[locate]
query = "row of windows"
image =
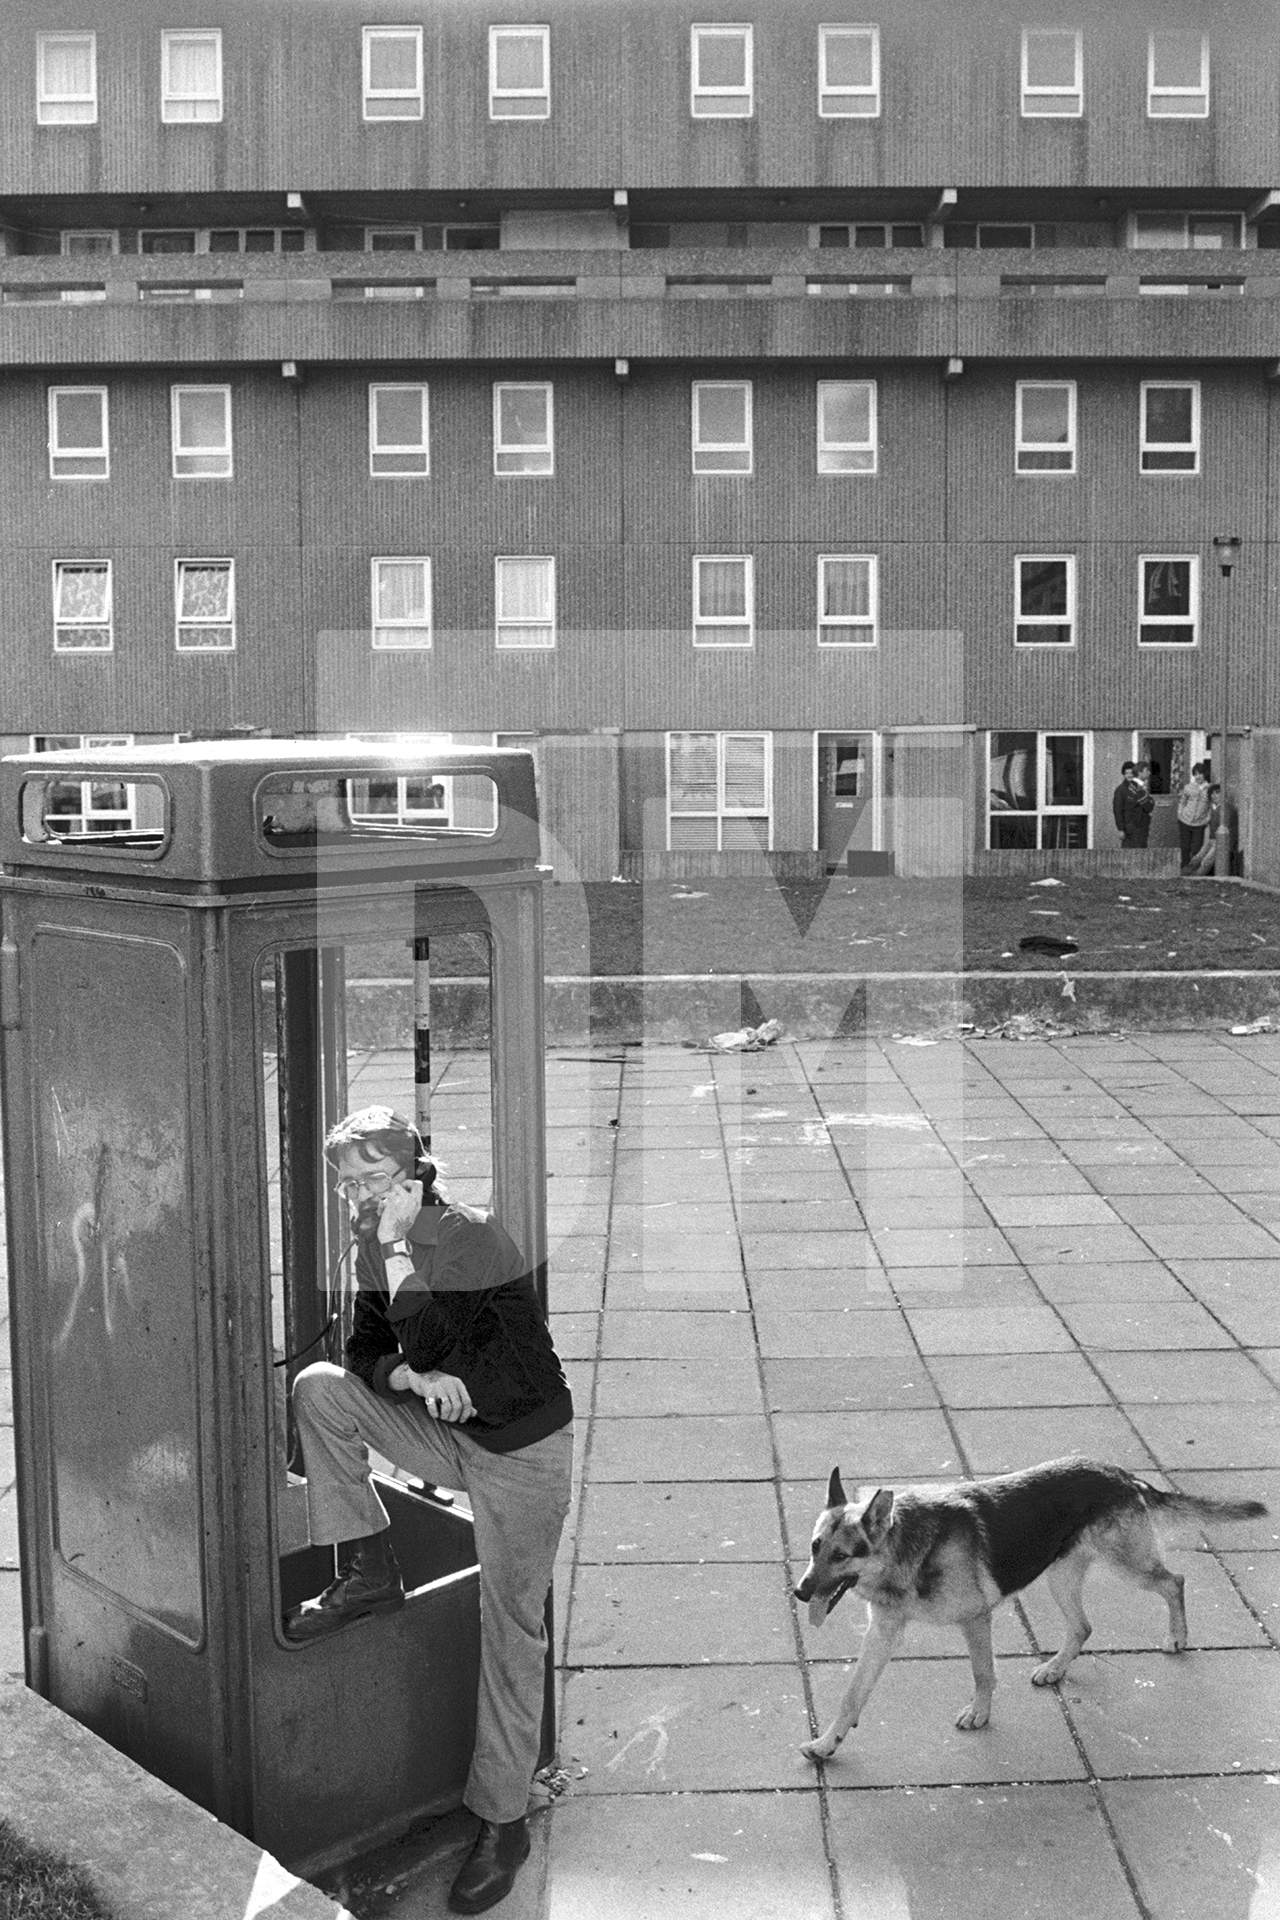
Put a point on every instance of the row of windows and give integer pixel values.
(722, 75)
(723, 595)
(1168, 229)
(722, 432)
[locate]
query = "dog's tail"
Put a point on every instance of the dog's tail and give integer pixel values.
(1199, 1506)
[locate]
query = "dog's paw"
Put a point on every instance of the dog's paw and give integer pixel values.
(822, 1748)
(1048, 1675)
(973, 1716)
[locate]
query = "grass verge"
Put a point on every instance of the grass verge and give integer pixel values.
(34, 1885)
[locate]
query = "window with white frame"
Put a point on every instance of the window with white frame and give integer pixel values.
(82, 620)
(1038, 789)
(403, 799)
(1168, 597)
(523, 427)
(402, 601)
(391, 62)
(201, 420)
(846, 426)
(720, 73)
(1052, 74)
(719, 792)
(524, 599)
(722, 426)
(205, 606)
(1045, 610)
(78, 444)
(401, 596)
(723, 600)
(519, 73)
(75, 807)
(1177, 75)
(1172, 228)
(1046, 426)
(191, 75)
(847, 594)
(90, 240)
(66, 79)
(399, 438)
(848, 72)
(1170, 430)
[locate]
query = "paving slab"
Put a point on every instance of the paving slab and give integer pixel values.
(907, 1735)
(1213, 1434)
(1198, 1712)
(681, 1730)
(1129, 1324)
(894, 1444)
(1098, 1282)
(716, 1333)
(1002, 1439)
(1027, 1329)
(628, 1387)
(1150, 1378)
(1039, 1380)
(846, 1333)
(1001, 1852)
(846, 1385)
(679, 1521)
(736, 1856)
(679, 1615)
(680, 1447)
(1200, 1849)
(1127, 1618)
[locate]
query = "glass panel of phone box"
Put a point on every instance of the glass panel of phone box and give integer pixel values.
(338, 1030)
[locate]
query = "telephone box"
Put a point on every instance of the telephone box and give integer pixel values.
(209, 952)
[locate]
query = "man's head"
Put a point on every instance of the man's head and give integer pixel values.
(1200, 771)
(1129, 769)
(373, 1151)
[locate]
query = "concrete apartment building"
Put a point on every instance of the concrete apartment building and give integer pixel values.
(809, 434)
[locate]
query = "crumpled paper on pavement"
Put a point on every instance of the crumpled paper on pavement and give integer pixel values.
(741, 1040)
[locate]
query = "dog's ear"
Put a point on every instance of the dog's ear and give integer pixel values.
(877, 1515)
(835, 1492)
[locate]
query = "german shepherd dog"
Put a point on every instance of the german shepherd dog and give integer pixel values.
(950, 1556)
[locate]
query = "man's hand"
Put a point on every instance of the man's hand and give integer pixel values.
(445, 1395)
(399, 1211)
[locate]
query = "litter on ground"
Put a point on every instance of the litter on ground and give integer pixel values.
(741, 1040)
(1262, 1025)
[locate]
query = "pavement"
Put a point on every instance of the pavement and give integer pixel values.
(918, 1260)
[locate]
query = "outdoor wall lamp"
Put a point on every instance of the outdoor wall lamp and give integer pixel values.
(1227, 547)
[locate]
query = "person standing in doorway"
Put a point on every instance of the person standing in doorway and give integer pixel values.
(452, 1374)
(1132, 806)
(1193, 813)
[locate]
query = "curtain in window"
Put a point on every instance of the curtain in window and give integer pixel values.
(83, 594)
(202, 421)
(1167, 587)
(722, 60)
(1176, 57)
(193, 68)
(524, 591)
(691, 767)
(722, 589)
(1044, 588)
(849, 58)
(205, 592)
(518, 62)
(1169, 415)
(744, 772)
(80, 422)
(722, 415)
(402, 590)
(398, 416)
(846, 412)
(1013, 771)
(846, 590)
(393, 63)
(523, 416)
(66, 69)
(1051, 59)
(1064, 770)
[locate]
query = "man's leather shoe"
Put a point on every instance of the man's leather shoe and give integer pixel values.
(500, 1851)
(363, 1589)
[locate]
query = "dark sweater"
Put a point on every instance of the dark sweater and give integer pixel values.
(470, 1309)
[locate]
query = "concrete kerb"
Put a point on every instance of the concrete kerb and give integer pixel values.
(149, 1852)
(821, 1006)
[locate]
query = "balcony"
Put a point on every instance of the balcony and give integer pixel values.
(646, 305)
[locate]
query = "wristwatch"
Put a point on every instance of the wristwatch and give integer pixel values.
(392, 1247)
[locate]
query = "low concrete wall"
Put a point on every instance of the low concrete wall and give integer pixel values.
(817, 1006)
(150, 1853)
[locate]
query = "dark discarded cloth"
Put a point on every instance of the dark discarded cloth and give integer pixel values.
(1046, 943)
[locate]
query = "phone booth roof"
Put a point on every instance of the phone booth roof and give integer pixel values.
(270, 813)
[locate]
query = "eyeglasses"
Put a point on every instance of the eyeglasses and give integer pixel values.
(376, 1185)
